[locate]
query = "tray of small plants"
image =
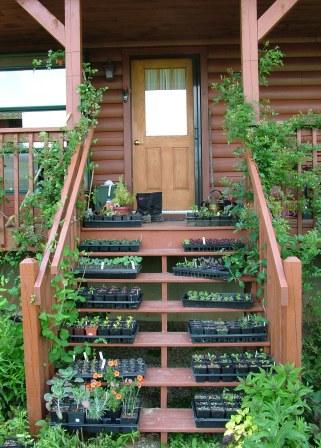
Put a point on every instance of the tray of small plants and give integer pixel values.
(213, 410)
(128, 368)
(110, 245)
(204, 216)
(94, 328)
(111, 297)
(113, 267)
(210, 244)
(229, 366)
(108, 403)
(205, 299)
(96, 220)
(204, 267)
(251, 328)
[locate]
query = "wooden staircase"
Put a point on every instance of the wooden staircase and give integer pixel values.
(163, 241)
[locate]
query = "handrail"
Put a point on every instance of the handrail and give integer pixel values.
(283, 291)
(28, 130)
(66, 194)
(67, 228)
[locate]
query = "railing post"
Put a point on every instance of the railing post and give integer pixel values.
(292, 313)
(34, 350)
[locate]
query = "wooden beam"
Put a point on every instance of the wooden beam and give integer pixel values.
(73, 57)
(46, 19)
(249, 52)
(273, 15)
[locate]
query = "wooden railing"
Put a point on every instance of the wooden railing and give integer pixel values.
(15, 142)
(36, 290)
(283, 290)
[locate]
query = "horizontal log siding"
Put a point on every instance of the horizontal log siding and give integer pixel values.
(294, 88)
(108, 151)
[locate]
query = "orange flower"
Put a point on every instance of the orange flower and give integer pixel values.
(88, 386)
(97, 375)
(115, 363)
(140, 378)
(116, 373)
(119, 396)
(98, 383)
(114, 392)
(110, 363)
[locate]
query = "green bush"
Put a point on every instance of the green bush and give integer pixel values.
(272, 412)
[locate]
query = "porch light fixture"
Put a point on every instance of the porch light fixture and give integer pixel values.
(109, 70)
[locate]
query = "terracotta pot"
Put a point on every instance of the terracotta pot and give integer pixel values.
(125, 210)
(91, 331)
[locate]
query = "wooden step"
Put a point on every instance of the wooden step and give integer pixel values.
(161, 277)
(171, 420)
(172, 339)
(178, 377)
(169, 252)
(171, 306)
(161, 235)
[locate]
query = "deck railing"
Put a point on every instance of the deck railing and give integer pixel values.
(18, 172)
(283, 290)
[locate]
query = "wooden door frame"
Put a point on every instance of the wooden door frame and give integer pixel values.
(202, 145)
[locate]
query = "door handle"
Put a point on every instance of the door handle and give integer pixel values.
(138, 142)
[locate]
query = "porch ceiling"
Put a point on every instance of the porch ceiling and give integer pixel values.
(160, 21)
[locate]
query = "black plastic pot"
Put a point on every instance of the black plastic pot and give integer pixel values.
(113, 221)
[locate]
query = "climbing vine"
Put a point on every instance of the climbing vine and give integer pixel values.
(274, 148)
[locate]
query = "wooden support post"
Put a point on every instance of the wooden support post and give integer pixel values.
(73, 30)
(292, 313)
(273, 15)
(249, 51)
(35, 362)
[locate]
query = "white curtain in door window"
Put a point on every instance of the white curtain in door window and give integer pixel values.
(165, 102)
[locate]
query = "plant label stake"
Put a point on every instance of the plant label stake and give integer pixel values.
(85, 357)
(133, 265)
(103, 364)
(204, 241)
(101, 356)
(102, 265)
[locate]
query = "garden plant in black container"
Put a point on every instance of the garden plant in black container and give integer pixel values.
(110, 297)
(110, 245)
(229, 366)
(204, 267)
(113, 267)
(210, 244)
(206, 299)
(251, 328)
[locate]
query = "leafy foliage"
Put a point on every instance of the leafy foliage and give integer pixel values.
(12, 392)
(272, 411)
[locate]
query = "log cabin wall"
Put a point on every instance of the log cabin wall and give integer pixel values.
(293, 88)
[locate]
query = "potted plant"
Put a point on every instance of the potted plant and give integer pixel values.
(80, 397)
(123, 200)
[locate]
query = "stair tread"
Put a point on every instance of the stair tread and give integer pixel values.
(170, 420)
(161, 252)
(178, 377)
(171, 306)
(166, 226)
(161, 277)
(173, 339)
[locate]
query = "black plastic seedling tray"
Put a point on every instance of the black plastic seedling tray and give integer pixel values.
(238, 304)
(95, 272)
(193, 247)
(208, 422)
(247, 336)
(201, 273)
(116, 339)
(113, 221)
(118, 426)
(214, 221)
(106, 246)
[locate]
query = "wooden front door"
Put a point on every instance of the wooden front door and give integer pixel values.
(163, 130)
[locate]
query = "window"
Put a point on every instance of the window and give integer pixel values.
(165, 101)
(39, 95)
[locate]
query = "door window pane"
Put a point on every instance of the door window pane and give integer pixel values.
(165, 101)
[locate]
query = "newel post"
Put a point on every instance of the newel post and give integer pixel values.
(33, 348)
(292, 313)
